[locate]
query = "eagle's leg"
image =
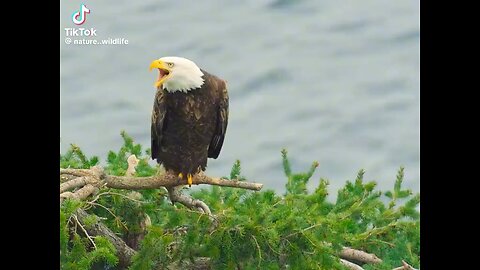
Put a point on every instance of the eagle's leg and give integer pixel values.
(180, 177)
(189, 179)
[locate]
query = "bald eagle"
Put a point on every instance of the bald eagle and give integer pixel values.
(189, 117)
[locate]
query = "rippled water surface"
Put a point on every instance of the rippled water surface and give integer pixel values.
(332, 81)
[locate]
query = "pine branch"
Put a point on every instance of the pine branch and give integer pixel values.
(198, 263)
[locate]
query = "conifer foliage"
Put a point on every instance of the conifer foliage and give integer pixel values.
(299, 229)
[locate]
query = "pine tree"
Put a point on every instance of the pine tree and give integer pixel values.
(300, 229)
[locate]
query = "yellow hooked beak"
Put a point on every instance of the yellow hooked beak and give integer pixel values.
(163, 71)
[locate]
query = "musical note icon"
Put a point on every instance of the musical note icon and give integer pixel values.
(79, 17)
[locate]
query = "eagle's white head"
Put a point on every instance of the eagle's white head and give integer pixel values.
(177, 74)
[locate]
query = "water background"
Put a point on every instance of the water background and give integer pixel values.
(332, 81)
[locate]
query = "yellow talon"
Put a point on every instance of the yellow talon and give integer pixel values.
(180, 175)
(189, 179)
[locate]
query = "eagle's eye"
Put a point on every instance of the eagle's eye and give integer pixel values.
(170, 65)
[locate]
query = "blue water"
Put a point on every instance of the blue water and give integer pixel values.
(332, 81)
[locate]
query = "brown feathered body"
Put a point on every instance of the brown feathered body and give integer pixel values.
(189, 127)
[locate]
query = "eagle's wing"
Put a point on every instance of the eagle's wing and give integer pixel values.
(158, 124)
(222, 121)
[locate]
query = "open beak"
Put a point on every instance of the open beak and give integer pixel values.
(163, 71)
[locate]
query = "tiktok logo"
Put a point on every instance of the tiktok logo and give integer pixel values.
(80, 16)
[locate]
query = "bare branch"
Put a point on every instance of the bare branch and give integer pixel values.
(194, 204)
(67, 177)
(132, 161)
(177, 196)
(65, 195)
(84, 231)
(85, 191)
(259, 251)
(111, 213)
(350, 265)
(74, 183)
(76, 172)
(95, 176)
(405, 266)
(131, 197)
(170, 180)
(358, 255)
(80, 194)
